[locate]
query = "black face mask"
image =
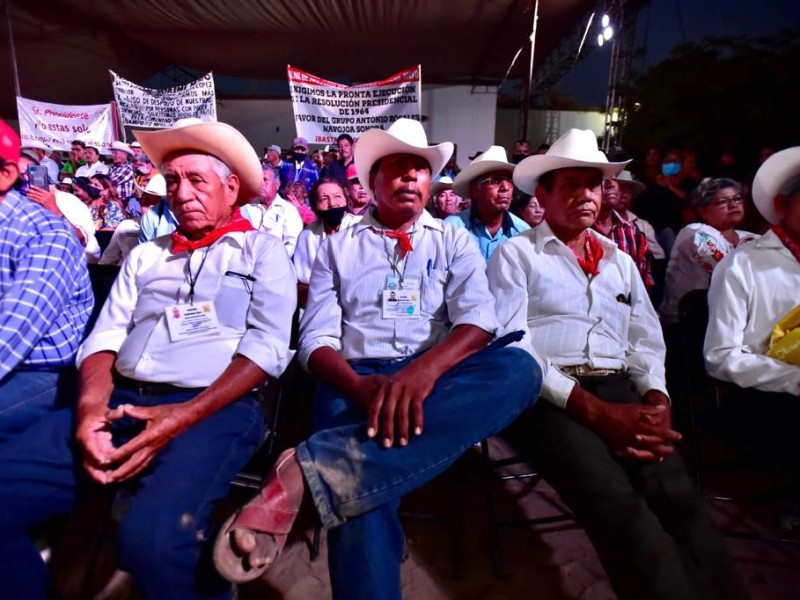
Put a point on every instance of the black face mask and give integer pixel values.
(516, 158)
(298, 156)
(333, 216)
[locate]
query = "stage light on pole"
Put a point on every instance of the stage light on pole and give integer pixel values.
(600, 39)
(605, 21)
(608, 33)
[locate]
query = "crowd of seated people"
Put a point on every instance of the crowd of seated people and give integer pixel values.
(440, 305)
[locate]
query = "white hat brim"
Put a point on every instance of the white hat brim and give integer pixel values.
(218, 139)
(377, 143)
(770, 177)
(124, 149)
(476, 169)
(528, 172)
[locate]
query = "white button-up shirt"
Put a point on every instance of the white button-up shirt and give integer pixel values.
(606, 322)
(697, 250)
(344, 309)
(751, 290)
(308, 245)
(254, 316)
(281, 219)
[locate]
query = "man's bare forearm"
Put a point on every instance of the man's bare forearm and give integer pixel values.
(96, 382)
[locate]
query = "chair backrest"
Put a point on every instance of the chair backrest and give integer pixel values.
(102, 277)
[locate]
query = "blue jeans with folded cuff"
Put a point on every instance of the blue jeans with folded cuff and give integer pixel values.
(356, 484)
(164, 533)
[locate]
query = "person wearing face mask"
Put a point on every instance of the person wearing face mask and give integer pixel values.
(662, 200)
(272, 213)
(299, 168)
(330, 205)
(487, 181)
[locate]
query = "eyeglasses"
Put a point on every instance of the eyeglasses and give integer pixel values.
(727, 201)
(495, 180)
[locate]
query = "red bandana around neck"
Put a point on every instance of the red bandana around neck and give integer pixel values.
(180, 243)
(793, 246)
(594, 252)
(402, 237)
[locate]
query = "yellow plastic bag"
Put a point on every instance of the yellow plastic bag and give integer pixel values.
(784, 341)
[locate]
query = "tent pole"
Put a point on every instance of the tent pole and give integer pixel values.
(13, 49)
(526, 95)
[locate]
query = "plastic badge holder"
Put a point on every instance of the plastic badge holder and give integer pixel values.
(784, 342)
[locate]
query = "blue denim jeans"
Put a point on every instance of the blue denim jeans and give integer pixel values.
(356, 484)
(27, 396)
(163, 533)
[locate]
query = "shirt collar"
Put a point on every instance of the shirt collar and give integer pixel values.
(544, 235)
(475, 221)
(425, 220)
(770, 240)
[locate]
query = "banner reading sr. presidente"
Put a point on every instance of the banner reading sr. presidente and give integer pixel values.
(148, 107)
(57, 124)
(323, 109)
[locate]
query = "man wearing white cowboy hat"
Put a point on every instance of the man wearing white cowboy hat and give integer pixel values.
(487, 181)
(444, 201)
(630, 188)
(126, 234)
(42, 152)
(603, 438)
(122, 176)
(752, 289)
(194, 324)
(396, 329)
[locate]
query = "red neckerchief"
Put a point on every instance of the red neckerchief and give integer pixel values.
(793, 246)
(401, 236)
(594, 252)
(237, 223)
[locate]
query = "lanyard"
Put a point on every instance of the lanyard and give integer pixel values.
(397, 259)
(193, 278)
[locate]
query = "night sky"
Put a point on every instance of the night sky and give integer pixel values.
(587, 82)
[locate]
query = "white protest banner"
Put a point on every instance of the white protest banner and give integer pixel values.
(57, 124)
(325, 109)
(148, 107)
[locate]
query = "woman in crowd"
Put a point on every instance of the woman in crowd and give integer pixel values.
(699, 247)
(297, 195)
(329, 202)
(444, 201)
(528, 209)
(112, 211)
(90, 196)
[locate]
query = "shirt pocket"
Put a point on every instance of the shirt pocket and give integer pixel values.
(433, 286)
(618, 315)
(233, 301)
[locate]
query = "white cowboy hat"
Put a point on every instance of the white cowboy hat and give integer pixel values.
(157, 186)
(404, 136)
(217, 139)
(576, 148)
(626, 177)
(443, 183)
(770, 177)
(135, 145)
(493, 159)
(122, 147)
(35, 145)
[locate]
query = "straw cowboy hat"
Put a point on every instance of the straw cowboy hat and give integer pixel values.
(493, 159)
(122, 147)
(404, 136)
(626, 177)
(217, 139)
(35, 145)
(770, 178)
(441, 184)
(576, 148)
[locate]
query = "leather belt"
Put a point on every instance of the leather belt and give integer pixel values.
(146, 388)
(587, 371)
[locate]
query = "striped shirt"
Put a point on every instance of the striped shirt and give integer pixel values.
(630, 239)
(45, 293)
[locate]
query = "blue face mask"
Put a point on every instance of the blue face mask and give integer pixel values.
(670, 169)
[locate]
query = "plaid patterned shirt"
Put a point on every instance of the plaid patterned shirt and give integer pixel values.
(45, 293)
(123, 177)
(633, 242)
